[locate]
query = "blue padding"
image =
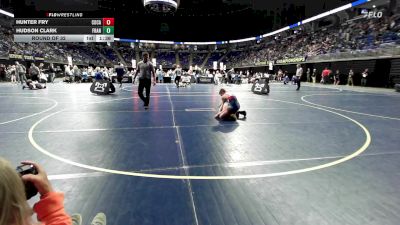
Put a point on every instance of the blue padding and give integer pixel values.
(128, 40)
(359, 2)
(294, 25)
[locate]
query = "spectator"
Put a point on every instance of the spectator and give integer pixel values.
(2, 72)
(314, 76)
(34, 72)
(350, 78)
(364, 78)
(14, 208)
(13, 74)
(52, 73)
(21, 70)
(337, 78)
(299, 74)
(325, 76)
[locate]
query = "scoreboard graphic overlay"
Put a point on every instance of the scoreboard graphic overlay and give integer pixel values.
(64, 27)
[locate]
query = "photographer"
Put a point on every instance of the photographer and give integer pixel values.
(14, 208)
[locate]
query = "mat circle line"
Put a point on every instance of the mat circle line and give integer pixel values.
(191, 177)
(32, 115)
(303, 98)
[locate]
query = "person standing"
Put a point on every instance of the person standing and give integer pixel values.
(314, 76)
(308, 75)
(34, 72)
(337, 78)
(178, 74)
(2, 72)
(145, 70)
(13, 74)
(299, 73)
(160, 75)
(350, 78)
(364, 78)
(325, 75)
(52, 73)
(120, 74)
(21, 71)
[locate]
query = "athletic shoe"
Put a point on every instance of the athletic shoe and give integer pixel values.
(76, 219)
(237, 115)
(146, 107)
(244, 114)
(99, 219)
(23, 87)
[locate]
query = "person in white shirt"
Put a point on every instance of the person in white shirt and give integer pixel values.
(299, 73)
(364, 78)
(217, 77)
(178, 74)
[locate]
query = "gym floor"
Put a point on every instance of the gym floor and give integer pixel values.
(321, 155)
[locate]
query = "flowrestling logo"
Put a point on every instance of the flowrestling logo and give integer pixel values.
(372, 14)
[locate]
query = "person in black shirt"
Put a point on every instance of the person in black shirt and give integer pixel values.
(120, 73)
(145, 69)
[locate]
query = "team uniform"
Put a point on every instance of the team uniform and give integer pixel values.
(232, 106)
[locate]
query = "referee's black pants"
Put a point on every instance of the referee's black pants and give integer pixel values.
(144, 84)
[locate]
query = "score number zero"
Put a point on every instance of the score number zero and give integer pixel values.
(105, 30)
(108, 26)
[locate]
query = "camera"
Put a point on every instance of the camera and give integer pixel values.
(30, 189)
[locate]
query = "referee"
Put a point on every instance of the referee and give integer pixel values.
(145, 70)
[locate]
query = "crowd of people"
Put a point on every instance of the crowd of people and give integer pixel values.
(352, 36)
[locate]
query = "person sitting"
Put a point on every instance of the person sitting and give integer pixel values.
(14, 208)
(185, 80)
(229, 109)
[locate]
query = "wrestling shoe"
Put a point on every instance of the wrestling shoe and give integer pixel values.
(99, 219)
(76, 219)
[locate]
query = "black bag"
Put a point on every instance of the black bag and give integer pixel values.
(102, 87)
(261, 87)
